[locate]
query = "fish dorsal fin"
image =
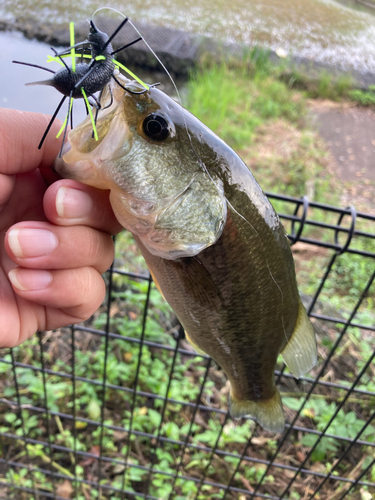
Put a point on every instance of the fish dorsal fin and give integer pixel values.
(300, 353)
(269, 414)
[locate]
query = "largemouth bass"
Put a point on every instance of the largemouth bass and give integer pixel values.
(214, 244)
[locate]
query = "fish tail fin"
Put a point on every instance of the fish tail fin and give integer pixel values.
(300, 353)
(269, 414)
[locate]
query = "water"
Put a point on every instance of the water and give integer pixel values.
(13, 92)
(360, 5)
(322, 30)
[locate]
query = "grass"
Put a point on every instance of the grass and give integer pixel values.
(234, 101)
(365, 98)
(323, 85)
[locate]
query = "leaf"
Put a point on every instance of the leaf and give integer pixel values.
(309, 440)
(350, 417)
(143, 411)
(318, 455)
(118, 469)
(10, 417)
(367, 461)
(80, 425)
(260, 441)
(155, 417)
(206, 437)
(93, 409)
(307, 412)
(365, 495)
(127, 357)
(341, 430)
(171, 430)
(94, 450)
(65, 489)
(292, 403)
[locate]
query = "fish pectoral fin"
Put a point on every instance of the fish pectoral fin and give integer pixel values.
(269, 414)
(198, 349)
(300, 353)
(157, 284)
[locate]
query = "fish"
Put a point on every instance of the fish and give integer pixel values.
(214, 245)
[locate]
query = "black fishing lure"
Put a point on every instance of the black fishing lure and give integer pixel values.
(83, 80)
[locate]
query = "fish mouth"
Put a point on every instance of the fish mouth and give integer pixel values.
(67, 147)
(80, 171)
(101, 142)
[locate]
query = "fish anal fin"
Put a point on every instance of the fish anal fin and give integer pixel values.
(269, 414)
(300, 353)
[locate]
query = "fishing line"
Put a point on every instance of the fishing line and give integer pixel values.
(147, 45)
(268, 266)
(282, 301)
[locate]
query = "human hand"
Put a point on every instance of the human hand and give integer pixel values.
(54, 238)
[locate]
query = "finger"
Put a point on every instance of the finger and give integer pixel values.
(20, 134)
(68, 296)
(7, 183)
(68, 203)
(41, 245)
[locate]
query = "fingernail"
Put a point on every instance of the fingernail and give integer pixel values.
(29, 279)
(28, 242)
(72, 203)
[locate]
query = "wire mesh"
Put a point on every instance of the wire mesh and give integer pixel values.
(121, 407)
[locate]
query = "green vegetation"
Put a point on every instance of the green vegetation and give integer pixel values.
(326, 86)
(346, 425)
(366, 98)
(323, 85)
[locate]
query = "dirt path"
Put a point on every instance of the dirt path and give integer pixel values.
(349, 132)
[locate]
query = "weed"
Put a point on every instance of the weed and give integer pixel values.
(323, 85)
(363, 97)
(345, 425)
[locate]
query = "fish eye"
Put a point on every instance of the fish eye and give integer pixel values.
(156, 127)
